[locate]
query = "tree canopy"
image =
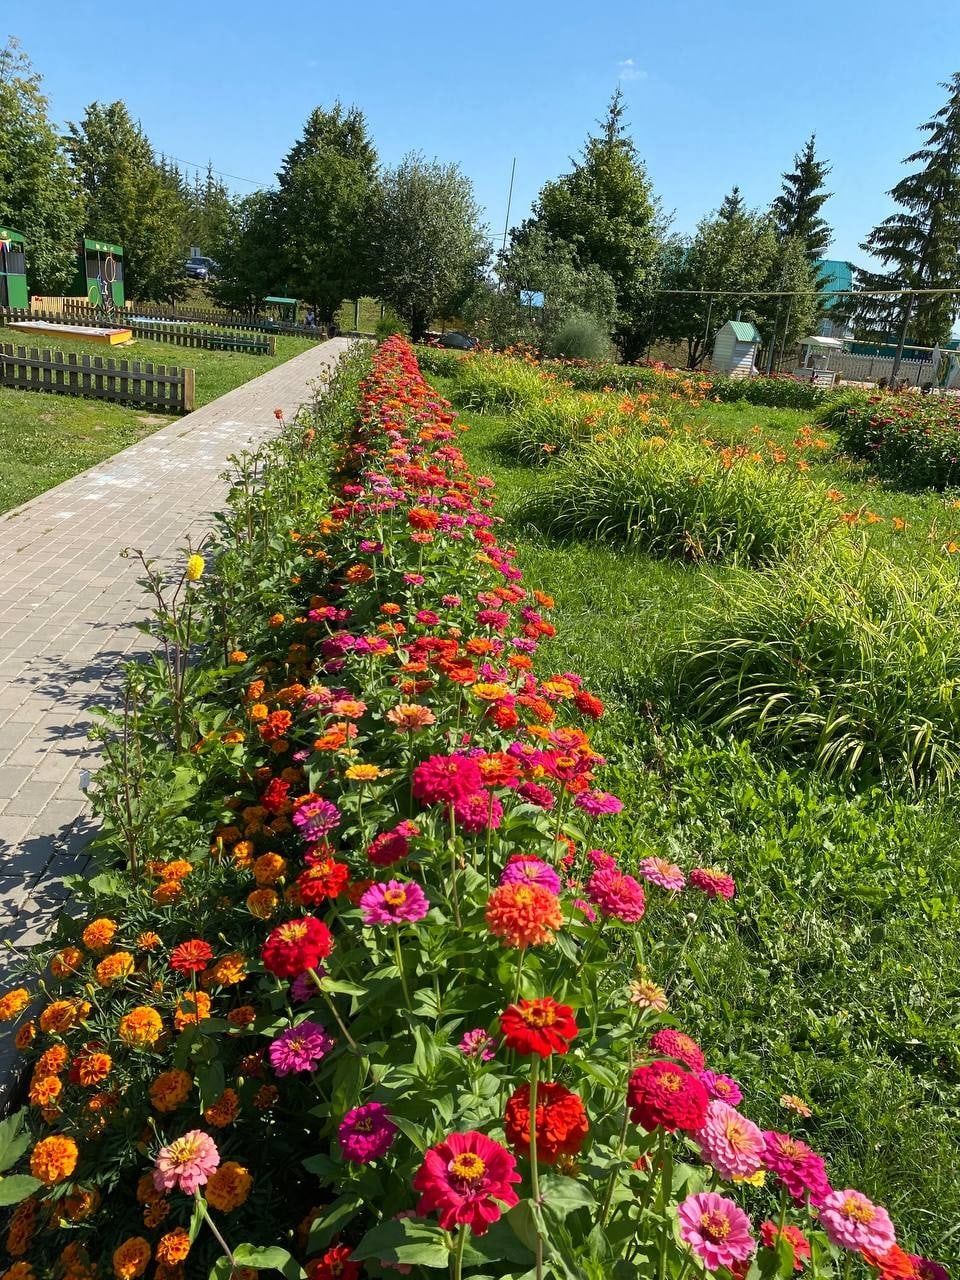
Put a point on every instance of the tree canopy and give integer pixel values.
(796, 211)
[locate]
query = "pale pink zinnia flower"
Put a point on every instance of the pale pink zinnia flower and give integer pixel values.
(186, 1163)
(716, 1229)
(396, 902)
(854, 1222)
(477, 1044)
(730, 1142)
(660, 872)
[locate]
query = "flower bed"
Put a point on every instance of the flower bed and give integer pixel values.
(911, 439)
(382, 1021)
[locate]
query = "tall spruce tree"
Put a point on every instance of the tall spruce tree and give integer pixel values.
(732, 206)
(920, 245)
(796, 211)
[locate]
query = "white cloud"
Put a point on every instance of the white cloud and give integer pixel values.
(627, 69)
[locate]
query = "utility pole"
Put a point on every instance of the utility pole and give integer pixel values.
(903, 337)
(506, 221)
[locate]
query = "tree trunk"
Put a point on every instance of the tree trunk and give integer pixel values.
(418, 325)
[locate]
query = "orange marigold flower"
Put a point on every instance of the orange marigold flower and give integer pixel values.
(170, 1090)
(269, 868)
(224, 1111)
(173, 1247)
(80, 1204)
(167, 892)
(25, 1035)
(179, 869)
(147, 1192)
(141, 1026)
(19, 1271)
(192, 1007)
(52, 1060)
(156, 1213)
(90, 1067)
(148, 941)
(233, 736)
(114, 968)
(242, 1016)
(228, 1187)
(263, 903)
(45, 1090)
(98, 935)
(265, 1097)
(66, 962)
(130, 1258)
(237, 655)
(13, 1003)
(228, 971)
(53, 1159)
(63, 1014)
(523, 915)
(276, 620)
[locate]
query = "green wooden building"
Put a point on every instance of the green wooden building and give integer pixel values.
(13, 269)
(100, 271)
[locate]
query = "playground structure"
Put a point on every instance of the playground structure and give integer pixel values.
(13, 269)
(99, 276)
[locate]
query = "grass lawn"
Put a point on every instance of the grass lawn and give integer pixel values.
(45, 439)
(837, 978)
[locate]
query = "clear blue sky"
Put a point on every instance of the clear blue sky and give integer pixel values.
(718, 93)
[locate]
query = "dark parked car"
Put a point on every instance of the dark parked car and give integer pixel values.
(458, 341)
(200, 268)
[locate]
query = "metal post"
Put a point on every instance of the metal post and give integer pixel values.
(773, 338)
(506, 221)
(783, 340)
(903, 337)
(706, 327)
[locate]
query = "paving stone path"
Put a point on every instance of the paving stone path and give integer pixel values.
(68, 605)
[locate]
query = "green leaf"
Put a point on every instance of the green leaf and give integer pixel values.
(323, 1229)
(268, 1258)
(222, 1269)
(564, 1195)
(211, 1081)
(413, 1131)
(405, 1241)
(196, 1220)
(16, 1188)
(13, 1143)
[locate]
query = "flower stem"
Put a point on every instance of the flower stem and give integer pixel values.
(534, 1168)
(398, 952)
(454, 892)
(608, 1197)
(213, 1227)
(516, 987)
(456, 1258)
(333, 1009)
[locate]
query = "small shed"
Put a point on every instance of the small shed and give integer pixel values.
(13, 269)
(735, 349)
(100, 273)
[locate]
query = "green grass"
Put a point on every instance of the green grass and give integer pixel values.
(46, 439)
(838, 978)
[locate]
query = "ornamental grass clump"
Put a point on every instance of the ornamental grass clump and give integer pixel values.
(676, 498)
(372, 1015)
(851, 664)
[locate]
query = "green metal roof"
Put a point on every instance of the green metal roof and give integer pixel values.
(8, 233)
(744, 330)
(291, 301)
(101, 246)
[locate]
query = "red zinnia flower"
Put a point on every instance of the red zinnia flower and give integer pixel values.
(325, 879)
(665, 1095)
(191, 957)
(463, 1178)
(335, 1264)
(538, 1026)
(296, 946)
(770, 1233)
(561, 1122)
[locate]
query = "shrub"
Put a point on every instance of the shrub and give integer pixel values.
(441, 361)
(389, 323)
(853, 665)
(776, 392)
(580, 337)
(677, 498)
(546, 430)
(910, 439)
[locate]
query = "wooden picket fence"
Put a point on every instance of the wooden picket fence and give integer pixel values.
(163, 387)
(178, 335)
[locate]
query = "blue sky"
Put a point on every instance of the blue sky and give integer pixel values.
(718, 93)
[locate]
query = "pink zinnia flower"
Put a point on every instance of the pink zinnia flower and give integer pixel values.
(526, 869)
(466, 1178)
(713, 881)
(660, 872)
(723, 1087)
(479, 812)
(717, 1230)
(798, 1167)
(392, 846)
(396, 902)
(598, 803)
(315, 818)
(478, 1044)
(617, 895)
(730, 1142)
(299, 1048)
(303, 986)
(536, 793)
(854, 1222)
(366, 1133)
(670, 1043)
(446, 779)
(186, 1163)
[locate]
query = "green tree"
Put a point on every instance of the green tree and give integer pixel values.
(796, 211)
(920, 245)
(37, 192)
(426, 247)
(245, 249)
(605, 210)
(325, 187)
(130, 197)
(732, 206)
(207, 211)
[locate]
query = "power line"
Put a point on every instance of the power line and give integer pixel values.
(190, 164)
(800, 293)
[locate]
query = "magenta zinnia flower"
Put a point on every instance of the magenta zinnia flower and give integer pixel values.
(536, 793)
(854, 1222)
(798, 1167)
(713, 881)
(598, 803)
(717, 1230)
(396, 902)
(299, 1048)
(315, 818)
(366, 1133)
(723, 1087)
(479, 812)
(616, 894)
(186, 1163)
(478, 1044)
(660, 872)
(466, 1178)
(446, 779)
(730, 1142)
(670, 1043)
(525, 869)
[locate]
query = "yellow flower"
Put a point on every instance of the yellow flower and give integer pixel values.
(363, 772)
(195, 567)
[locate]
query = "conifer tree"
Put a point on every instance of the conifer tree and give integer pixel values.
(796, 211)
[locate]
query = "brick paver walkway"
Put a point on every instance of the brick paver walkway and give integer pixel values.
(68, 603)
